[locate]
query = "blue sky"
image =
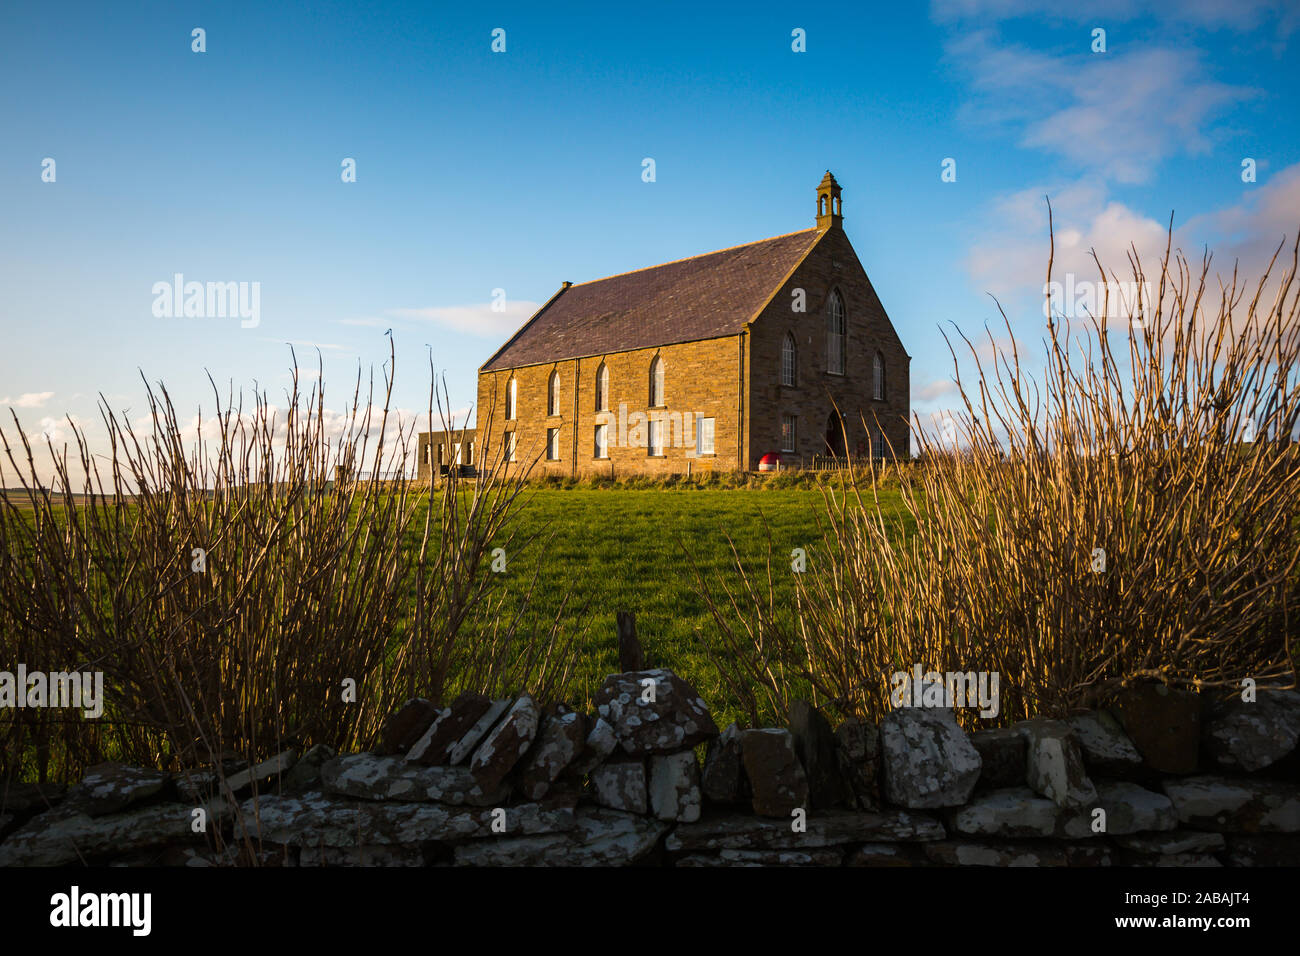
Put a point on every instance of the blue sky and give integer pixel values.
(479, 171)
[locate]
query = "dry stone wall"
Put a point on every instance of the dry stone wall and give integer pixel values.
(1156, 778)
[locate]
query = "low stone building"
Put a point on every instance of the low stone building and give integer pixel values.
(708, 363)
(444, 450)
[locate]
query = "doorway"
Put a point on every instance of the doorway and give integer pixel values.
(835, 435)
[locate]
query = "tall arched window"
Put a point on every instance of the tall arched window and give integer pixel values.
(553, 394)
(878, 378)
(789, 354)
(602, 388)
(835, 334)
(510, 398)
(656, 382)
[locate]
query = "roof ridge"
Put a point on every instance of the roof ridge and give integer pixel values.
(701, 255)
(530, 320)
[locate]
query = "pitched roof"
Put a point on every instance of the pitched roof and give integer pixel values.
(703, 297)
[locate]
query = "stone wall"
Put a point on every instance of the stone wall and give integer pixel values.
(1159, 777)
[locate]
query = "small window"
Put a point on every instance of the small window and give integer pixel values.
(602, 388)
(835, 335)
(510, 447)
(704, 436)
(881, 450)
(442, 456)
(789, 433)
(456, 454)
(510, 399)
(654, 430)
(553, 394)
(469, 453)
(602, 441)
(657, 382)
(878, 378)
(789, 354)
(552, 444)
(424, 453)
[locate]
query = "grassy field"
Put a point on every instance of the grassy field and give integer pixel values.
(593, 552)
(626, 549)
(630, 548)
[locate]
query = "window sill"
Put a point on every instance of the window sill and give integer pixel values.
(656, 456)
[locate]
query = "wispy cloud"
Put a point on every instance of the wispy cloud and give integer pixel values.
(1011, 256)
(27, 400)
(1236, 15)
(935, 390)
(1117, 115)
(481, 320)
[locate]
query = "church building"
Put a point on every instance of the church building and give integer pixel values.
(774, 348)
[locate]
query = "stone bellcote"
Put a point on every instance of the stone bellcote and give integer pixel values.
(830, 212)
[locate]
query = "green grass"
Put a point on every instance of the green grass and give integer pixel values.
(626, 548)
(623, 549)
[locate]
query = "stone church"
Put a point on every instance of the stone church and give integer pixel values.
(776, 348)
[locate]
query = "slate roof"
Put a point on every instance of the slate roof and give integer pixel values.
(703, 297)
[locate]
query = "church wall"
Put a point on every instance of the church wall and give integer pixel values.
(831, 264)
(701, 379)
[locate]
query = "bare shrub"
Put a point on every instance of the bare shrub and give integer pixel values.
(235, 578)
(1172, 458)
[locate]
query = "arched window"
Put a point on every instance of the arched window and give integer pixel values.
(878, 378)
(835, 334)
(510, 398)
(553, 394)
(656, 382)
(602, 388)
(789, 354)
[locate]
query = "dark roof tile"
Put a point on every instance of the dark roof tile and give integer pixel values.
(703, 297)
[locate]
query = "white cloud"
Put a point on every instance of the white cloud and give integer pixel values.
(1251, 230)
(27, 400)
(935, 390)
(1117, 115)
(480, 320)
(1236, 15)
(1010, 257)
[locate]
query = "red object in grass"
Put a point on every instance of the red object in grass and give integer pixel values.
(770, 462)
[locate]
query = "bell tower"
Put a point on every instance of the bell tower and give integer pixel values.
(829, 209)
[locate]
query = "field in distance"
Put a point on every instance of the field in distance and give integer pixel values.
(626, 549)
